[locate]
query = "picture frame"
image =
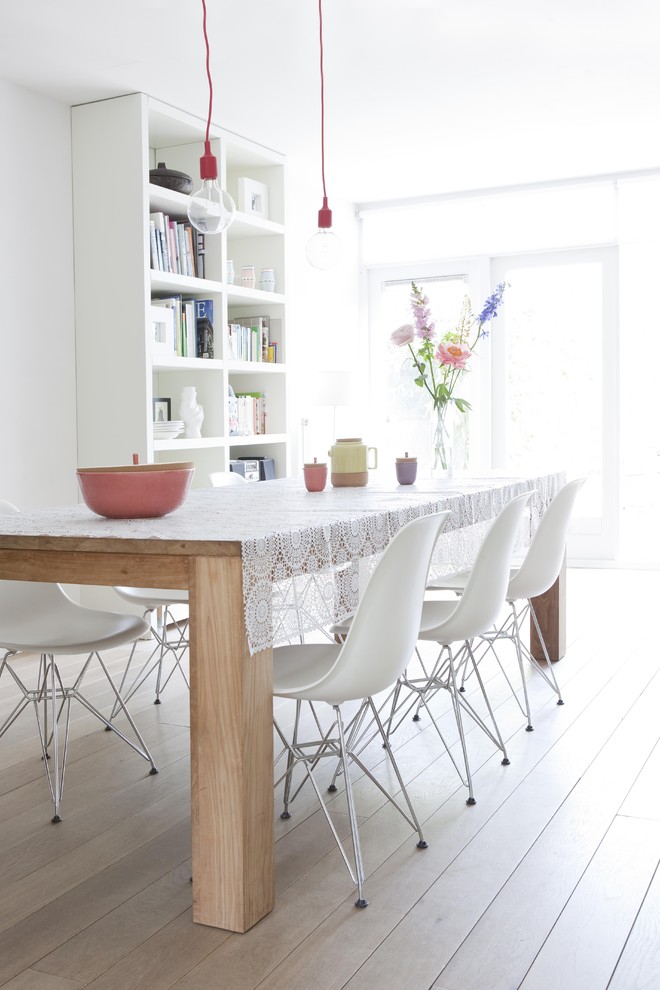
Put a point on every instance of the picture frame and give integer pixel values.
(253, 197)
(162, 331)
(162, 410)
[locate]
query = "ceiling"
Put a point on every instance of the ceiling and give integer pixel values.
(422, 96)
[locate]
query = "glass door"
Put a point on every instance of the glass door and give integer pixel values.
(555, 381)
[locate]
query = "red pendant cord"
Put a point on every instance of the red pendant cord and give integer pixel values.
(325, 214)
(208, 164)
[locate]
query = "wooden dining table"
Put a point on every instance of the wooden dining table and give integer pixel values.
(237, 550)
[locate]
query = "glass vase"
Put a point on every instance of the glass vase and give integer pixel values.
(442, 453)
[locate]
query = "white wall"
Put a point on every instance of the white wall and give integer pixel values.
(37, 358)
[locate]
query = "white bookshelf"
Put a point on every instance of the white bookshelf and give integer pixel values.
(115, 144)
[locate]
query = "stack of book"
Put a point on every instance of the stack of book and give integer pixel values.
(193, 325)
(249, 339)
(176, 246)
(251, 413)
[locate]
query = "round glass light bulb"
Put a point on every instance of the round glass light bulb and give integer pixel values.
(211, 209)
(323, 249)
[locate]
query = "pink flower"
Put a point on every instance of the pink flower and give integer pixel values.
(453, 354)
(404, 335)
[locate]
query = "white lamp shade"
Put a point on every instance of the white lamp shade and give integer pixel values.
(330, 388)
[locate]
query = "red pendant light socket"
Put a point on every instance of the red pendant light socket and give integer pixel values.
(208, 163)
(325, 215)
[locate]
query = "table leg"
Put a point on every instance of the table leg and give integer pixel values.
(550, 610)
(231, 754)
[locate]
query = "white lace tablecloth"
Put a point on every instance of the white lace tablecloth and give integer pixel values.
(306, 555)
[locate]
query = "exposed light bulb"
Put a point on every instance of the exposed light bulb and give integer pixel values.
(211, 209)
(323, 249)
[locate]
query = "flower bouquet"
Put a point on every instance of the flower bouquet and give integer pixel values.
(440, 365)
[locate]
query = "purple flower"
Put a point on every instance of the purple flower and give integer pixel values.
(489, 312)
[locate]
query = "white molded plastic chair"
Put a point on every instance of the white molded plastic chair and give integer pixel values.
(536, 575)
(170, 633)
(378, 647)
(174, 646)
(222, 479)
(41, 619)
(460, 621)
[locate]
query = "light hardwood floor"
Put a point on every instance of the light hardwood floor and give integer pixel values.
(550, 881)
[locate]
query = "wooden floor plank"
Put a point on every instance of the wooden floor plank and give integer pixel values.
(48, 883)
(639, 965)
(30, 979)
(585, 943)
(643, 800)
(94, 950)
(27, 941)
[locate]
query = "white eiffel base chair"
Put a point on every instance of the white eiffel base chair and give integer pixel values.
(41, 619)
(171, 636)
(536, 574)
(459, 622)
(376, 650)
(448, 623)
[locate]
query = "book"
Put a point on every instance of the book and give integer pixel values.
(204, 309)
(257, 334)
(200, 254)
(204, 329)
(161, 233)
(156, 260)
(251, 413)
(175, 303)
(190, 336)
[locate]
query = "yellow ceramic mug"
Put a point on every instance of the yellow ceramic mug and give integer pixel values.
(350, 463)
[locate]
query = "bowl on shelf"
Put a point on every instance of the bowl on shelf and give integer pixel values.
(169, 178)
(135, 491)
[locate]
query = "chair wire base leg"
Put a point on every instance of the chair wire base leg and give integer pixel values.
(357, 852)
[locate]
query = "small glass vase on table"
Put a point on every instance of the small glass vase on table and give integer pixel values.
(442, 453)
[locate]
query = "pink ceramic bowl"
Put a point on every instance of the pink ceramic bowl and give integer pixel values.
(135, 491)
